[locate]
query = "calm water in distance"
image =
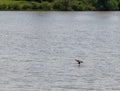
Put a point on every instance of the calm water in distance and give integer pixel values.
(37, 51)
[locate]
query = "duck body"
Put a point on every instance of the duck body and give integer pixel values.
(78, 61)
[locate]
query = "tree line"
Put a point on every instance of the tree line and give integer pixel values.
(61, 5)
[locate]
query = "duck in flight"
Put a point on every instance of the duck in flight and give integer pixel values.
(78, 61)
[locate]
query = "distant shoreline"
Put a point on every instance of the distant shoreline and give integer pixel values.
(59, 5)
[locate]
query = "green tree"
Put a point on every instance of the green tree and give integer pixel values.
(107, 5)
(66, 4)
(119, 4)
(112, 5)
(62, 4)
(101, 5)
(58, 5)
(46, 6)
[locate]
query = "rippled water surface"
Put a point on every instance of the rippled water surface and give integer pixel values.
(37, 51)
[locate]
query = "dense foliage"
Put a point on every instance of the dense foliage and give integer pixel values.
(61, 5)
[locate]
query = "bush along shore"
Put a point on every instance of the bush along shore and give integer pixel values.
(61, 5)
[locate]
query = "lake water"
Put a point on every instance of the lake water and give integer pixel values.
(38, 49)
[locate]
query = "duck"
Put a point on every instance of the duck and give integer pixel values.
(78, 61)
